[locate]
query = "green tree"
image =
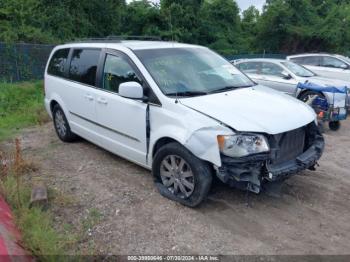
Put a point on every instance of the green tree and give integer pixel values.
(19, 21)
(142, 18)
(220, 26)
(182, 19)
(287, 25)
(249, 23)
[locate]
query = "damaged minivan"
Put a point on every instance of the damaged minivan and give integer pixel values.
(183, 112)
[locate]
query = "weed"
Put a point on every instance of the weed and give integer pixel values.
(38, 233)
(94, 216)
(60, 199)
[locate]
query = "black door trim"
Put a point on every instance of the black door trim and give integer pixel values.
(107, 128)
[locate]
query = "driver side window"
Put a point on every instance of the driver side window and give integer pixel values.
(272, 69)
(328, 61)
(117, 70)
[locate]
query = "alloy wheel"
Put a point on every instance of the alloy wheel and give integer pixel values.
(60, 123)
(177, 176)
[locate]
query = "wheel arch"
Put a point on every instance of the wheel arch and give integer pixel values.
(307, 90)
(52, 104)
(56, 100)
(326, 95)
(162, 142)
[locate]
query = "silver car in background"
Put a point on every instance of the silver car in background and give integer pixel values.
(284, 76)
(327, 65)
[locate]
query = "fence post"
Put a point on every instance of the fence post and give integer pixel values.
(16, 62)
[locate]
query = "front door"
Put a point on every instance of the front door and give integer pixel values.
(271, 76)
(121, 121)
(334, 68)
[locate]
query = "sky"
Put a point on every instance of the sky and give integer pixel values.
(243, 4)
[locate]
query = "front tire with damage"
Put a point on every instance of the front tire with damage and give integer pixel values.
(181, 176)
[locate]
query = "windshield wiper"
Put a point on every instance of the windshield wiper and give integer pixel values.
(228, 88)
(188, 93)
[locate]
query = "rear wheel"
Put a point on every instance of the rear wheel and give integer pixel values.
(181, 176)
(61, 125)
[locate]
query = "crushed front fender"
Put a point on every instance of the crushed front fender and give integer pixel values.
(251, 172)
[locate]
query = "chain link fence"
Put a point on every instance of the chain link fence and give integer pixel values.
(22, 62)
(251, 56)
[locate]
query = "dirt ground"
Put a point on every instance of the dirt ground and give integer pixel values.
(131, 217)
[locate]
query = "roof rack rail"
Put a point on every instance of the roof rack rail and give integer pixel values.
(116, 39)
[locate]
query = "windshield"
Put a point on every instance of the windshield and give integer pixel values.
(298, 70)
(191, 71)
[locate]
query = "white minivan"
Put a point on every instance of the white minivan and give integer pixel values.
(183, 112)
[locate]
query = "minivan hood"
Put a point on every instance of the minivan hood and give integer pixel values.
(255, 109)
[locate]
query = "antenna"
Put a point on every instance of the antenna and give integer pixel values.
(172, 40)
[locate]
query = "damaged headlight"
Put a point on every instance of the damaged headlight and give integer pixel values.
(242, 145)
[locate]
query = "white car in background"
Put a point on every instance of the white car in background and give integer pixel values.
(328, 65)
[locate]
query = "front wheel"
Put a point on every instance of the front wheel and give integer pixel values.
(308, 97)
(181, 176)
(334, 125)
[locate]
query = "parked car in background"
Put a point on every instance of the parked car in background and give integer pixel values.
(284, 76)
(183, 112)
(328, 65)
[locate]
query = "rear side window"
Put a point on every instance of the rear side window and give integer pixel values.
(298, 60)
(310, 60)
(250, 67)
(83, 66)
(58, 62)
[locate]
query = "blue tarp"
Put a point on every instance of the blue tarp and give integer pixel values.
(315, 87)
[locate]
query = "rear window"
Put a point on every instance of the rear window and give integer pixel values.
(83, 66)
(298, 60)
(58, 62)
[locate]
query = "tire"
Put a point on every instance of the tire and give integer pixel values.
(334, 125)
(61, 125)
(187, 165)
(304, 96)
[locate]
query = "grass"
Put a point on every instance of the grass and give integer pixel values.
(21, 105)
(36, 225)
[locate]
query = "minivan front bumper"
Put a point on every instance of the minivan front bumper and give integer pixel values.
(251, 172)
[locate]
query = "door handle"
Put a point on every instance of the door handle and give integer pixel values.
(102, 101)
(89, 97)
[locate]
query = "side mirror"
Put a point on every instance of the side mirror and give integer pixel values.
(286, 75)
(132, 90)
(344, 66)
